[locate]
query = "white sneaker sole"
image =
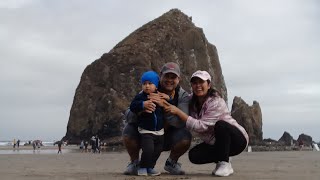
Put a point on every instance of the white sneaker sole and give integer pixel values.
(169, 171)
(154, 174)
(223, 175)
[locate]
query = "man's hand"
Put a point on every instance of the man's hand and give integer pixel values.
(158, 98)
(154, 97)
(149, 106)
(164, 96)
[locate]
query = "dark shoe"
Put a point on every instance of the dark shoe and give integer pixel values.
(132, 168)
(173, 167)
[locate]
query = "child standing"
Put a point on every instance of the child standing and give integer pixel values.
(150, 125)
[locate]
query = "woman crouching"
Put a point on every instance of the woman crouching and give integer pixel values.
(211, 120)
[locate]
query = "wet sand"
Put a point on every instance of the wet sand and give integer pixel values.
(293, 165)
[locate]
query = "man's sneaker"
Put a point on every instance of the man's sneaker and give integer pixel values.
(223, 169)
(152, 172)
(173, 167)
(132, 168)
(142, 172)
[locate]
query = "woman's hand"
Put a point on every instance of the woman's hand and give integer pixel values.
(169, 108)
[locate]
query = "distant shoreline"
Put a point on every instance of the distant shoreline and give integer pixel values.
(121, 148)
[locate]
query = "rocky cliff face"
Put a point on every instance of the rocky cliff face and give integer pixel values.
(108, 85)
(250, 117)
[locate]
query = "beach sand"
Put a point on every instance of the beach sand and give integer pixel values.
(293, 165)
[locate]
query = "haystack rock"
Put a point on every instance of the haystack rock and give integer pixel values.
(108, 85)
(250, 117)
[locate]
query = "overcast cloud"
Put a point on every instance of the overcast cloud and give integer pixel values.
(269, 52)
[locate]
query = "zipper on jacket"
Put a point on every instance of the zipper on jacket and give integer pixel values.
(155, 120)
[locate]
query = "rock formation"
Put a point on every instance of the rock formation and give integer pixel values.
(305, 139)
(108, 85)
(250, 117)
(286, 139)
(286, 143)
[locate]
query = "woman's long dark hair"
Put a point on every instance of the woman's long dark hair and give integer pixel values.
(194, 104)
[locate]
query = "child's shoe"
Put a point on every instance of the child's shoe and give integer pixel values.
(142, 172)
(152, 172)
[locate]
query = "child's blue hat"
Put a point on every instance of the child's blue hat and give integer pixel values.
(150, 76)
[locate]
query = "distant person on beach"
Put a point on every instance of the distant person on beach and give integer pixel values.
(86, 143)
(34, 144)
(59, 143)
(93, 144)
(18, 143)
(150, 125)
(177, 138)
(82, 146)
(211, 120)
(14, 143)
(97, 144)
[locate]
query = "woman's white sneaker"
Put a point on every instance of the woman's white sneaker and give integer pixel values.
(223, 169)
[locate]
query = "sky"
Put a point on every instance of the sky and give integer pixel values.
(269, 51)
